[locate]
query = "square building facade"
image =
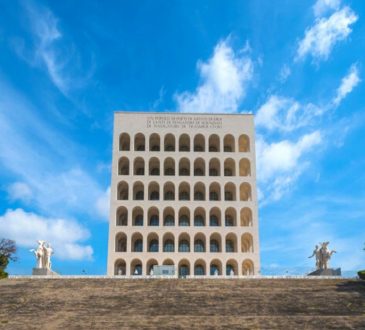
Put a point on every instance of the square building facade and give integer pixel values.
(183, 193)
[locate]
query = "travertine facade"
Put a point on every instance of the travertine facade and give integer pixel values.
(183, 193)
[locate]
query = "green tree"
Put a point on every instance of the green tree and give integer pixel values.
(7, 253)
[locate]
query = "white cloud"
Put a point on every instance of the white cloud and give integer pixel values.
(103, 205)
(323, 6)
(348, 83)
(20, 191)
(47, 33)
(285, 114)
(280, 163)
(44, 161)
(320, 39)
(224, 79)
(64, 235)
(285, 72)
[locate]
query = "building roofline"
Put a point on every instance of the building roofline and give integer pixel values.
(182, 113)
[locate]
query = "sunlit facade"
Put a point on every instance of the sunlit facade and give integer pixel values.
(183, 193)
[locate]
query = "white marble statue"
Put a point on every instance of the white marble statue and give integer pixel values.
(231, 273)
(43, 254)
(323, 255)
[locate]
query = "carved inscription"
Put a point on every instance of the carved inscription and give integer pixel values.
(190, 122)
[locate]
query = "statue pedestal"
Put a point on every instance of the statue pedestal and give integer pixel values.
(43, 272)
(326, 272)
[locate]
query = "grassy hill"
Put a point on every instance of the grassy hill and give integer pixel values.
(245, 304)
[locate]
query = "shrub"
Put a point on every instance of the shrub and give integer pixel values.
(3, 263)
(361, 274)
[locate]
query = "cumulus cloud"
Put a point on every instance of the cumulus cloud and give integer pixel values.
(224, 79)
(20, 191)
(348, 83)
(65, 235)
(103, 205)
(285, 114)
(323, 6)
(320, 39)
(280, 163)
(44, 161)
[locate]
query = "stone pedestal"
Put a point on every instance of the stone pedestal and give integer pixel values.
(43, 272)
(326, 272)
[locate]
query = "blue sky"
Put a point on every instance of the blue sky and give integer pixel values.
(65, 66)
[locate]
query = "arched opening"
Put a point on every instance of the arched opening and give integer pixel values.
(214, 143)
(231, 268)
(199, 142)
(184, 217)
(231, 243)
(168, 242)
(153, 191)
(137, 216)
(138, 191)
(184, 191)
(215, 217)
(199, 243)
(184, 143)
(123, 166)
(199, 268)
(246, 217)
(245, 192)
(245, 168)
(138, 166)
(244, 143)
(169, 142)
(154, 142)
(122, 216)
(214, 192)
(199, 191)
(247, 267)
(169, 166)
(137, 242)
(169, 217)
(120, 267)
(184, 268)
(139, 142)
(121, 242)
(168, 262)
(199, 217)
(228, 143)
(184, 242)
(152, 242)
(154, 166)
(246, 243)
(123, 190)
(136, 267)
(215, 267)
(153, 217)
(229, 167)
(215, 243)
(199, 167)
(124, 142)
(230, 217)
(230, 192)
(184, 167)
(150, 264)
(169, 191)
(214, 167)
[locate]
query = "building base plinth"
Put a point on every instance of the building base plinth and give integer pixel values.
(43, 272)
(326, 272)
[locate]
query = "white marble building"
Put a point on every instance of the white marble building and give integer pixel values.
(183, 193)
